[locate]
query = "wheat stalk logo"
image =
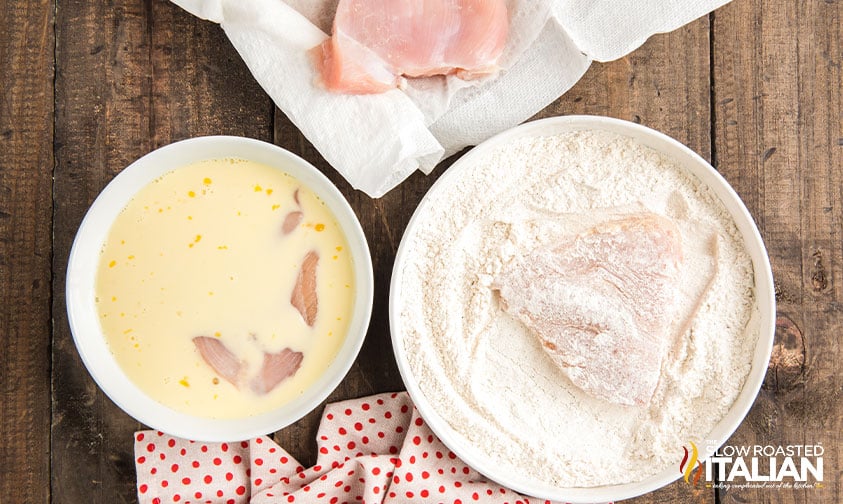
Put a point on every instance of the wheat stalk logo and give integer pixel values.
(686, 467)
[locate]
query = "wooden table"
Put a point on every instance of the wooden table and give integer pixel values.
(88, 87)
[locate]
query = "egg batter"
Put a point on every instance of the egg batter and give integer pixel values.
(215, 252)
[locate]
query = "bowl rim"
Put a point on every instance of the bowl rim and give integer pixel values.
(692, 163)
(82, 270)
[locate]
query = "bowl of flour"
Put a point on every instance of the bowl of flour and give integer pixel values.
(486, 349)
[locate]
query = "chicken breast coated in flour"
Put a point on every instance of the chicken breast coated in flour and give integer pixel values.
(376, 42)
(601, 302)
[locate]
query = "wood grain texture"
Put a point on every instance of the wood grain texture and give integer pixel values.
(200, 86)
(102, 96)
(134, 75)
(777, 95)
(664, 84)
(26, 166)
(130, 76)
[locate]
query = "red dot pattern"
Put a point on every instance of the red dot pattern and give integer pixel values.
(371, 450)
(170, 470)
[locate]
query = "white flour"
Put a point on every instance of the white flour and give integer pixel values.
(487, 376)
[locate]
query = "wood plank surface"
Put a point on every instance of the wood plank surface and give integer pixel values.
(26, 166)
(131, 76)
(755, 87)
(779, 140)
(102, 96)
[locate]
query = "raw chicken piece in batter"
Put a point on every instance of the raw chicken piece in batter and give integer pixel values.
(376, 42)
(275, 368)
(602, 303)
(294, 217)
(220, 359)
(304, 297)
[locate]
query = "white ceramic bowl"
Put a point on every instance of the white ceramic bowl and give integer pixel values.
(81, 279)
(695, 165)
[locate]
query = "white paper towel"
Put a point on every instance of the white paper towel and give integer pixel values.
(376, 141)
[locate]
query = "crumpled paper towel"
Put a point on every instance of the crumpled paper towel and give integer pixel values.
(376, 141)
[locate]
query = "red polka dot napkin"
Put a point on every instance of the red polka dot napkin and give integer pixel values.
(371, 450)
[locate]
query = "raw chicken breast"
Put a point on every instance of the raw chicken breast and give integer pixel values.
(220, 358)
(275, 368)
(304, 297)
(376, 42)
(291, 222)
(602, 303)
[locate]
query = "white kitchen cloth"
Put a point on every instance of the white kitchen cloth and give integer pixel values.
(376, 141)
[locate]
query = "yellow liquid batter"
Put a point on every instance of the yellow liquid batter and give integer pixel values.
(201, 251)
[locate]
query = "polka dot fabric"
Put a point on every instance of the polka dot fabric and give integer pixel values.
(371, 450)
